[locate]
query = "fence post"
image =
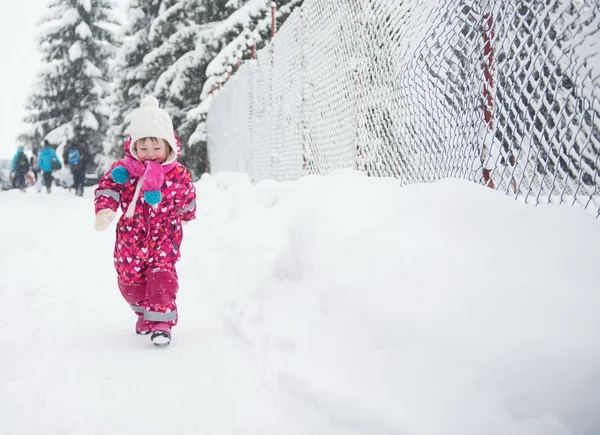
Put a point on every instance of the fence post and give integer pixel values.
(361, 162)
(273, 20)
(489, 70)
(251, 43)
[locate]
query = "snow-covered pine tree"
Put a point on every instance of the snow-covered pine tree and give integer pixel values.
(66, 102)
(132, 79)
(167, 47)
(204, 30)
(185, 42)
(150, 44)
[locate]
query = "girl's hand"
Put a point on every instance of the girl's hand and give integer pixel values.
(104, 218)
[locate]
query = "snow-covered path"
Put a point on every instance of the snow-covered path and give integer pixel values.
(333, 305)
(70, 362)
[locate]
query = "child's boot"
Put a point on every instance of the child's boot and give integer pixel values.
(161, 334)
(142, 327)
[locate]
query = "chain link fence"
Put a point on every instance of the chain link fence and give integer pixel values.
(504, 93)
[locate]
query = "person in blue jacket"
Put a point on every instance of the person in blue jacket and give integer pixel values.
(19, 167)
(48, 162)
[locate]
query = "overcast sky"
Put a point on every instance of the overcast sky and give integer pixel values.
(20, 62)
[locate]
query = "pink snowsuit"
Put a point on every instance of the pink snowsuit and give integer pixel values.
(147, 244)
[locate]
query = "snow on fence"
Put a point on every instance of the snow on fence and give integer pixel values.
(505, 93)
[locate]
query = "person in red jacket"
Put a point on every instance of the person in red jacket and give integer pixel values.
(156, 194)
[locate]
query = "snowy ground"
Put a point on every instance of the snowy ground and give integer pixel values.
(330, 305)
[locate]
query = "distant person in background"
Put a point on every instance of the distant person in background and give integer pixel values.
(75, 156)
(48, 162)
(33, 163)
(19, 167)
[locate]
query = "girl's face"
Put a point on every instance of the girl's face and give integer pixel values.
(151, 148)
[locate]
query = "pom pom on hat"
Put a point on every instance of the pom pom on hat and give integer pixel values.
(153, 197)
(149, 101)
(152, 121)
(120, 174)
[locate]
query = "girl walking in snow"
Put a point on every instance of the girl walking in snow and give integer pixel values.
(155, 194)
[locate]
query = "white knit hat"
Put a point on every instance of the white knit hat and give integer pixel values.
(151, 121)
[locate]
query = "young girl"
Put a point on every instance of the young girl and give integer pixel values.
(155, 193)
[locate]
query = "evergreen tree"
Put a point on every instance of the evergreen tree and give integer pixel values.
(132, 79)
(142, 59)
(167, 47)
(180, 61)
(66, 103)
(206, 30)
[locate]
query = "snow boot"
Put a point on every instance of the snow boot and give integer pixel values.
(142, 327)
(161, 334)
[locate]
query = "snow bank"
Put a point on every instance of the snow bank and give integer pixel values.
(431, 309)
